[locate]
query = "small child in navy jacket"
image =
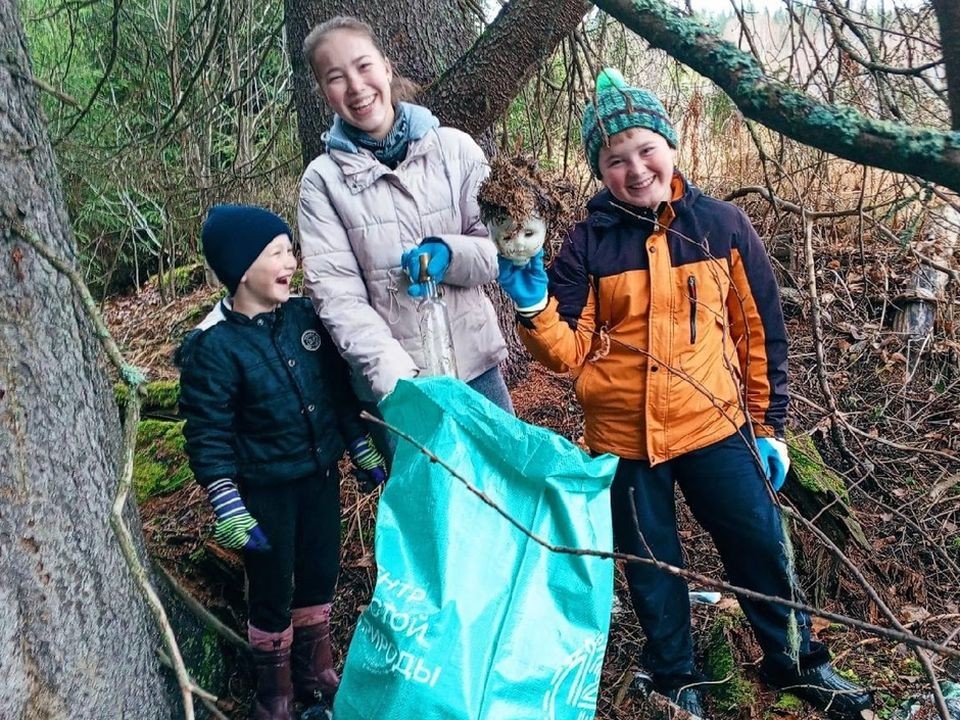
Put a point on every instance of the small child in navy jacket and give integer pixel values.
(269, 412)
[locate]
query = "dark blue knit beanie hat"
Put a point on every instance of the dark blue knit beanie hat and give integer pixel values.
(234, 236)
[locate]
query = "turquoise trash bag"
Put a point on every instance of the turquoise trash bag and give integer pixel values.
(470, 619)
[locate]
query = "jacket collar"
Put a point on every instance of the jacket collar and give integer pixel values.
(223, 312)
(360, 167)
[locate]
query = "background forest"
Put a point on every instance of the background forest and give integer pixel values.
(832, 123)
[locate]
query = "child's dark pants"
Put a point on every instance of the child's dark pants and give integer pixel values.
(726, 493)
(302, 522)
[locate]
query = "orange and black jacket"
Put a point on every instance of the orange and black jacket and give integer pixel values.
(671, 323)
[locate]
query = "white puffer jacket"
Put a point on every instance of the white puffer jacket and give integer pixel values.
(357, 217)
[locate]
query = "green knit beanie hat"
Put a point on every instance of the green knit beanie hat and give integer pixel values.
(620, 107)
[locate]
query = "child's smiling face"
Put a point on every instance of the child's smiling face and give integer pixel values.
(637, 167)
(355, 80)
(266, 283)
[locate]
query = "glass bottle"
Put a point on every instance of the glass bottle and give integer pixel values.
(435, 334)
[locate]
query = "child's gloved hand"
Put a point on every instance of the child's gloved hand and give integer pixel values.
(775, 458)
(369, 465)
(526, 285)
(235, 529)
(439, 253)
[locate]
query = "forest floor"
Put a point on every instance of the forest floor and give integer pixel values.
(907, 507)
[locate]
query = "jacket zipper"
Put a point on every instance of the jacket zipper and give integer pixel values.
(692, 288)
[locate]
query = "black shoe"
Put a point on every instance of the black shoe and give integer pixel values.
(686, 697)
(824, 688)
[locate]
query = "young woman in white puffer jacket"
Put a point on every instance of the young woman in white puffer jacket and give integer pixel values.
(392, 185)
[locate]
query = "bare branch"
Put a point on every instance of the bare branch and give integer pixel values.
(705, 580)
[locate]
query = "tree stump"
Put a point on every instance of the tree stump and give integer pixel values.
(917, 304)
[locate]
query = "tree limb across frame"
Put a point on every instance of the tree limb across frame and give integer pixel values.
(841, 130)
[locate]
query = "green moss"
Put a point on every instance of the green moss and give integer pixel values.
(160, 464)
(788, 703)
(184, 277)
(162, 395)
(121, 391)
(735, 691)
(912, 666)
(209, 662)
(159, 396)
(808, 468)
(885, 704)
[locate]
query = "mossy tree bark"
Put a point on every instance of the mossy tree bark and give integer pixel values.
(76, 638)
(840, 130)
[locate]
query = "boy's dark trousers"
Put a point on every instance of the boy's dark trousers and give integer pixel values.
(301, 520)
(726, 492)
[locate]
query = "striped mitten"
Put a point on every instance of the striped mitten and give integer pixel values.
(235, 529)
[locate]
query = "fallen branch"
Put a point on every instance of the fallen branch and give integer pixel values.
(705, 580)
(202, 614)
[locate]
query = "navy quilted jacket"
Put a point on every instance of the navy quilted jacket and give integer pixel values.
(266, 399)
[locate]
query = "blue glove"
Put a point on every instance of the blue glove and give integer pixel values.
(369, 465)
(775, 458)
(526, 285)
(439, 253)
(235, 529)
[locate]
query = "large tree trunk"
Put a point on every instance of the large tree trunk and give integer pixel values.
(76, 639)
(481, 85)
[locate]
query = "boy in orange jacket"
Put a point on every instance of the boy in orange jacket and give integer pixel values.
(664, 305)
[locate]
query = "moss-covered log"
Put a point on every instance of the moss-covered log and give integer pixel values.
(160, 397)
(841, 130)
(818, 492)
(732, 689)
(160, 464)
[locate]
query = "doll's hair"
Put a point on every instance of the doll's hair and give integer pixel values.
(401, 88)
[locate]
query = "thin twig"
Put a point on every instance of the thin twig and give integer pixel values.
(44, 86)
(905, 637)
(204, 615)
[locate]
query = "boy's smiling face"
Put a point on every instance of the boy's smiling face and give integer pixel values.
(266, 283)
(637, 167)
